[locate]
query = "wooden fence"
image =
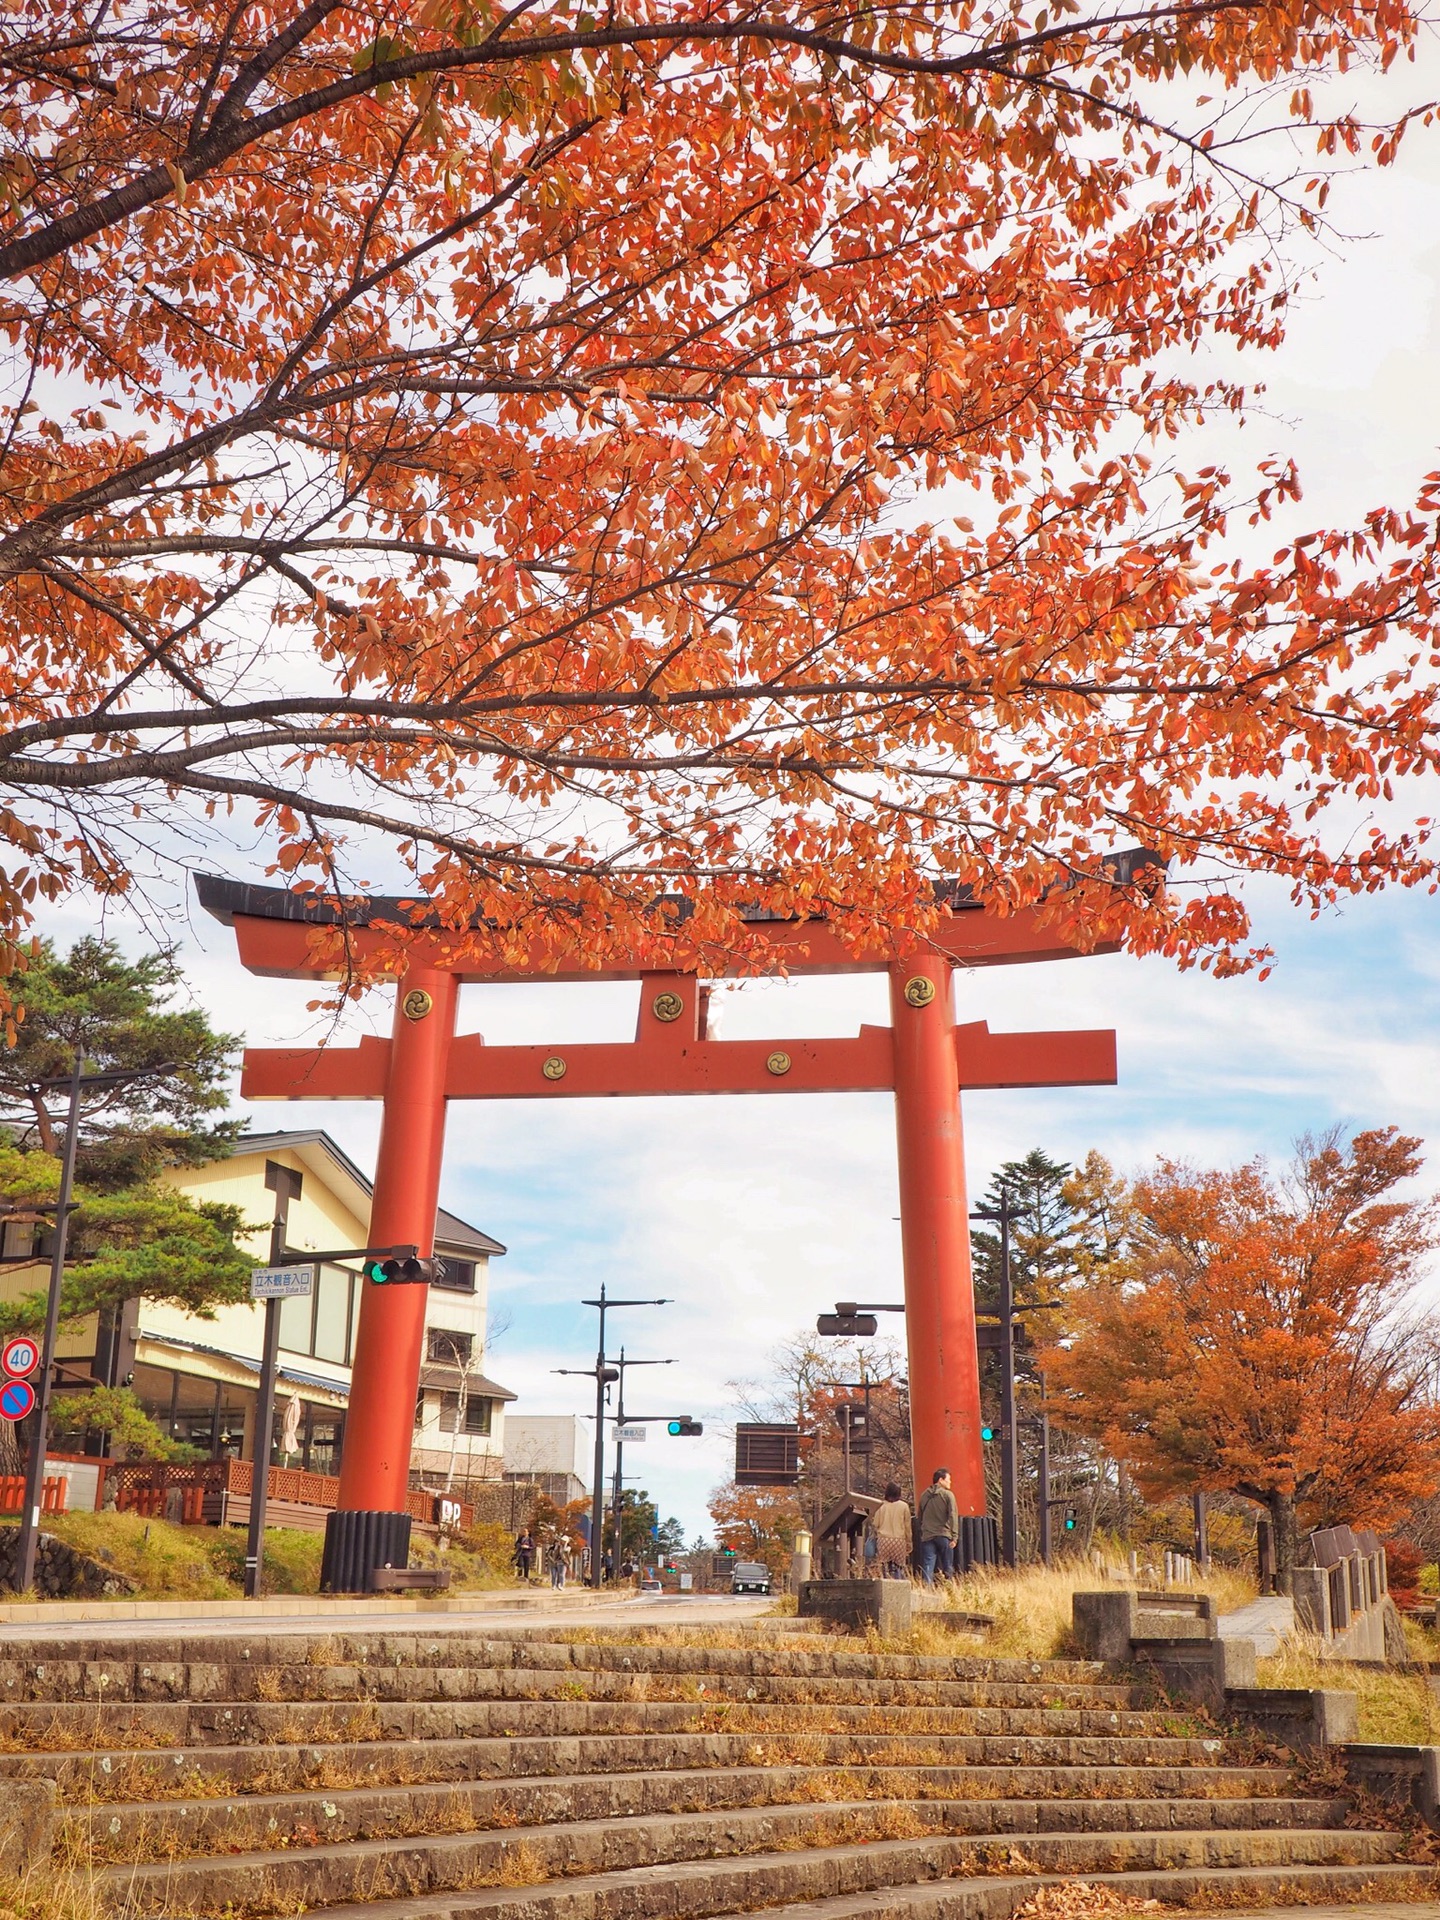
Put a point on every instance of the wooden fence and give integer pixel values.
(199, 1494)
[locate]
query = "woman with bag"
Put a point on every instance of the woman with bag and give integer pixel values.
(890, 1529)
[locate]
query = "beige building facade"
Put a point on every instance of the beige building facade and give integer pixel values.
(198, 1378)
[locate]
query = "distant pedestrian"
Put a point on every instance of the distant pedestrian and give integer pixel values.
(557, 1563)
(892, 1530)
(939, 1528)
(524, 1553)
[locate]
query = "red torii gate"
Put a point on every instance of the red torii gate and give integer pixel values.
(923, 1057)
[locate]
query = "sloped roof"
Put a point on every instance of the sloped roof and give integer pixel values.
(452, 1234)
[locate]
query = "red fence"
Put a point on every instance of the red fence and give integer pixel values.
(12, 1494)
(152, 1487)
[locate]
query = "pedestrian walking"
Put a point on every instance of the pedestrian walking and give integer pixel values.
(557, 1563)
(892, 1530)
(939, 1528)
(524, 1553)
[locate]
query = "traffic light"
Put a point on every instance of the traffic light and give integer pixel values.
(405, 1273)
(689, 1428)
(987, 1434)
(853, 1325)
(1069, 1519)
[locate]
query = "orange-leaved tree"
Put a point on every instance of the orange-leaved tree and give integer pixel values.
(1260, 1335)
(565, 459)
(756, 1523)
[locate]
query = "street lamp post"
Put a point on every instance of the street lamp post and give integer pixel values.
(286, 1185)
(603, 1376)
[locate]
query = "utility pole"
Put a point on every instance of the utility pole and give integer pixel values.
(603, 1377)
(77, 1080)
(621, 1365)
(1005, 1347)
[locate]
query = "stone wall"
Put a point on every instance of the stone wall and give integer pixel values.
(61, 1572)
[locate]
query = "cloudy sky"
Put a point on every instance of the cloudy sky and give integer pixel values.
(754, 1214)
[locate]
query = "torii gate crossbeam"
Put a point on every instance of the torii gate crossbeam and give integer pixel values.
(923, 1057)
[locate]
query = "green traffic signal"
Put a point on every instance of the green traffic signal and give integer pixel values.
(987, 1433)
(689, 1428)
(404, 1273)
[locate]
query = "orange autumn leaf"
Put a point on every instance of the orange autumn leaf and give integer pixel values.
(1260, 1335)
(486, 448)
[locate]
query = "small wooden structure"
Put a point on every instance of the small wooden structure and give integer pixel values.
(841, 1537)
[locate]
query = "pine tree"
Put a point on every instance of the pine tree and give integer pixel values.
(120, 1013)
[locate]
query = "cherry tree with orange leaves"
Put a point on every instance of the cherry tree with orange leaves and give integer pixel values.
(1261, 1335)
(721, 450)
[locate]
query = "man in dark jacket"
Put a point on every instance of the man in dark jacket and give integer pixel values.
(939, 1528)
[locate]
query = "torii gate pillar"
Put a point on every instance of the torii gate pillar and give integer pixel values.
(375, 1460)
(935, 1233)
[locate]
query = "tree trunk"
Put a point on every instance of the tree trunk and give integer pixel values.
(1281, 1507)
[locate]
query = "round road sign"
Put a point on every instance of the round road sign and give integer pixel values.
(16, 1399)
(19, 1355)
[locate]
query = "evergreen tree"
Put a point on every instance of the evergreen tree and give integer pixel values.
(121, 1014)
(1044, 1231)
(639, 1517)
(130, 1235)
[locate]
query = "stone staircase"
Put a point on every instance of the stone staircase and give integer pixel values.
(394, 1775)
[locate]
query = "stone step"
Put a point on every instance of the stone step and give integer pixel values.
(710, 1862)
(117, 1775)
(1387, 1891)
(189, 1723)
(162, 1830)
(502, 1677)
(179, 1685)
(832, 1654)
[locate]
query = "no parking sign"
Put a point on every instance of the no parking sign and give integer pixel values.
(17, 1397)
(19, 1355)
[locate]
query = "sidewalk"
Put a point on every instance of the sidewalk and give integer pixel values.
(1269, 1622)
(312, 1613)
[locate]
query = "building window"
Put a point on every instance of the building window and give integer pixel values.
(322, 1323)
(477, 1414)
(20, 1239)
(448, 1348)
(459, 1276)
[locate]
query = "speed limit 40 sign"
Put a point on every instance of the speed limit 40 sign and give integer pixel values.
(19, 1355)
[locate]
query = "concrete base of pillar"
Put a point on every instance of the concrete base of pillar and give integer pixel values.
(885, 1605)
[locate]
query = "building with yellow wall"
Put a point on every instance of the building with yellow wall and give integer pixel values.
(198, 1378)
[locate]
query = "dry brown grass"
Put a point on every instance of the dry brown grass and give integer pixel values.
(1396, 1708)
(75, 1736)
(1031, 1606)
(51, 1894)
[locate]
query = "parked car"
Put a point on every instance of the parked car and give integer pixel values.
(749, 1576)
